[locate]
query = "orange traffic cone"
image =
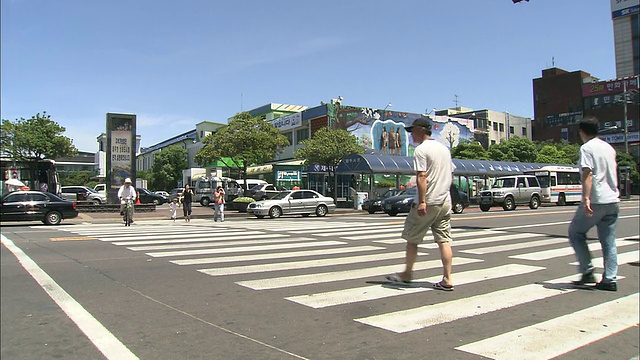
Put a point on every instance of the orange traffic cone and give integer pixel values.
(138, 199)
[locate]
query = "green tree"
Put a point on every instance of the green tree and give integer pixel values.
(76, 178)
(327, 147)
(34, 139)
(167, 167)
(550, 154)
(626, 159)
(471, 150)
(514, 149)
(245, 140)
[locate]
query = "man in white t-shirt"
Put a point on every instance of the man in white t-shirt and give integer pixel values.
(431, 208)
(599, 206)
(126, 191)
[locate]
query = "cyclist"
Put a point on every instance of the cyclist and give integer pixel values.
(126, 191)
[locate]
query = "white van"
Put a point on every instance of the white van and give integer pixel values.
(250, 183)
(205, 186)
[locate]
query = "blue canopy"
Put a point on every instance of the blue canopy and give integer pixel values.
(389, 164)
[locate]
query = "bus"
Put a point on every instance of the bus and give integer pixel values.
(560, 184)
(44, 177)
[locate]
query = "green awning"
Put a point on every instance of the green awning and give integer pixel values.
(219, 163)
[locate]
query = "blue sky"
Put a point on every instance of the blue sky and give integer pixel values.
(176, 63)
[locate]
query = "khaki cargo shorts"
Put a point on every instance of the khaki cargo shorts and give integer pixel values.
(438, 219)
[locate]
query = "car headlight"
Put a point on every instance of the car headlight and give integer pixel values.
(377, 203)
(407, 200)
(498, 193)
(257, 205)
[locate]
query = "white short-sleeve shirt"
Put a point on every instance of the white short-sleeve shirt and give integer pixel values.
(434, 158)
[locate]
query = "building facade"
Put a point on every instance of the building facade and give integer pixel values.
(626, 29)
(562, 99)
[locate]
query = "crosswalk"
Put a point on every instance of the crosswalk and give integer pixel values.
(322, 265)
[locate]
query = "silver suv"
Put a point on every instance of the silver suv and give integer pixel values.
(84, 194)
(509, 191)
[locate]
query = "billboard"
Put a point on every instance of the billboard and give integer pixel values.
(121, 152)
(620, 8)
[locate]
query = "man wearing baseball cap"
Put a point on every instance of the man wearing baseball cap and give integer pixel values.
(125, 191)
(431, 207)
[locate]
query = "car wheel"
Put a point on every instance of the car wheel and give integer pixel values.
(392, 213)
(372, 211)
(275, 212)
(485, 208)
(562, 200)
(508, 204)
(321, 210)
(458, 208)
(534, 203)
(52, 218)
(96, 202)
(205, 202)
(260, 216)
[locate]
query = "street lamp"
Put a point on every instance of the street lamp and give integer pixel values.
(388, 106)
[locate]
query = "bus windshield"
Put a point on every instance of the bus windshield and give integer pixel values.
(544, 181)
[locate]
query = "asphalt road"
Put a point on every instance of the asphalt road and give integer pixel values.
(310, 288)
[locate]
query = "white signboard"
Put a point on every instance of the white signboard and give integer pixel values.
(287, 122)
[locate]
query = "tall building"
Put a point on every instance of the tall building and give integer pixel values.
(626, 27)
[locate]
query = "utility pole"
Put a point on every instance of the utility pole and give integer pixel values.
(626, 129)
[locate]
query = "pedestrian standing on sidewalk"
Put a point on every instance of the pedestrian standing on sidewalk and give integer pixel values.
(599, 206)
(431, 208)
(218, 205)
(187, 200)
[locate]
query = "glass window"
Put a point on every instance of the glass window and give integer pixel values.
(533, 182)
(501, 127)
(296, 195)
(14, 198)
(524, 131)
(495, 126)
(521, 182)
(289, 136)
(309, 195)
(511, 130)
(302, 134)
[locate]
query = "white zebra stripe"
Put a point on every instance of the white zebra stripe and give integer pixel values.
(518, 246)
(307, 279)
(375, 292)
(203, 238)
(261, 240)
(622, 259)
(271, 256)
(244, 249)
(565, 251)
(306, 264)
(578, 329)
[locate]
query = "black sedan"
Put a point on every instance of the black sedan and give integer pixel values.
(373, 205)
(402, 203)
(36, 206)
(147, 197)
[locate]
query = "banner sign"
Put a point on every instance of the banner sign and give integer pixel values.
(287, 122)
(121, 152)
(620, 8)
(609, 87)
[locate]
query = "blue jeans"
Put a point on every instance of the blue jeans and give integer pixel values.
(604, 218)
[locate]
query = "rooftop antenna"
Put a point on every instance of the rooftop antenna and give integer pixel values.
(455, 101)
(553, 61)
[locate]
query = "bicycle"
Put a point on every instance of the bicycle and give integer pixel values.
(128, 211)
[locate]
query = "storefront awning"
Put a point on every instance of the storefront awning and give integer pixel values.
(220, 163)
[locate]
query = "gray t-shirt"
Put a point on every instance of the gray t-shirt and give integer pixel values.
(600, 157)
(435, 159)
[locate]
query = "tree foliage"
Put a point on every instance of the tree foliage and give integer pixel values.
(470, 150)
(167, 168)
(77, 178)
(327, 147)
(34, 139)
(514, 149)
(245, 140)
(626, 159)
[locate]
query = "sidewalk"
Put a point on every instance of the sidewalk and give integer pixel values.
(200, 212)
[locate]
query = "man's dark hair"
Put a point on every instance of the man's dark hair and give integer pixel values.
(589, 125)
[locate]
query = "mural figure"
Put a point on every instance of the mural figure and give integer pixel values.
(392, 142)
(398, 142)
(384, 140)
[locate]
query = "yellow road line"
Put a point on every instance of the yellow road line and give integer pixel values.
(76, 238)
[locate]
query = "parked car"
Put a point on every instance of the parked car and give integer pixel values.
(510, 191)
(162, 193)
(303, 202)
(36, 206)
(82, 193)
(147, 197)
(373, 205)
(459, 199)
(176, 193)
(265, 191)
(402, 203)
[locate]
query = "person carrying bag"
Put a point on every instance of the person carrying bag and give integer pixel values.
(218, 197)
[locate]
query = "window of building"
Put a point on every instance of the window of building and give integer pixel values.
(302, 134)
(495, 126)
(289, 136)
(511, 130)
(524, 131)
(501, 127)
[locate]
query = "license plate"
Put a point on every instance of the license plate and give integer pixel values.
(387, 207)
(486, 201)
